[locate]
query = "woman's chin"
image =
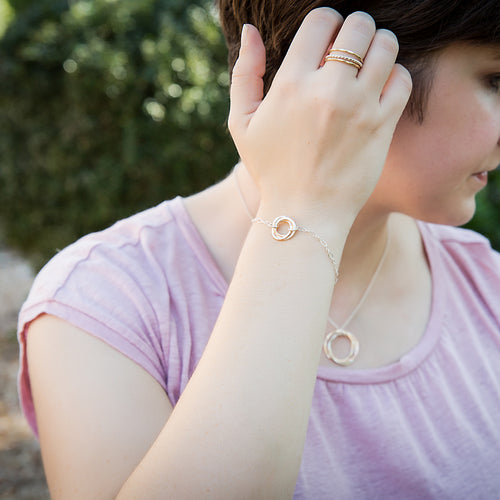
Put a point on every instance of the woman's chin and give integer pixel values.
(456, 216)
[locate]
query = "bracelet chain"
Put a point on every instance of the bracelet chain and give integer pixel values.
(293, 228)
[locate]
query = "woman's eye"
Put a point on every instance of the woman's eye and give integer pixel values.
(493, 82)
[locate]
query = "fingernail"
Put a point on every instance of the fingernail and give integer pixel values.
(244, 35)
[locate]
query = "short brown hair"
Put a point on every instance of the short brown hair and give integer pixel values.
(423, 28)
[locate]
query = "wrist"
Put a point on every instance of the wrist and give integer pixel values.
(291, 229)
(332, 225)
(283, 227)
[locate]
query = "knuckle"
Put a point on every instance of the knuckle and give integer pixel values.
(368, 121)
(238, 72)
(364, 119)
(286, 85)
(361, 112)
(387, 40)
(327, 96)
(361, 21)
(231, 123)
(401, 79)
(347, 110)
(405, 77)
(325, 15)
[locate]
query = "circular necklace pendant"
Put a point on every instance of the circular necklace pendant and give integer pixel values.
(353, 347)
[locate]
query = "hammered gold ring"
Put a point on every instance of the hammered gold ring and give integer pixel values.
(345, 51)
(345, 59)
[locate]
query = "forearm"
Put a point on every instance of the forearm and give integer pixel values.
(239, 428)
(317, 144)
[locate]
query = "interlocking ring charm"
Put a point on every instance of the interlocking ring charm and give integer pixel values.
(353, 349)
(278, 222)
(292, 229)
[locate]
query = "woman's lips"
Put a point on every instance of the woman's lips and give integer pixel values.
(481, 176)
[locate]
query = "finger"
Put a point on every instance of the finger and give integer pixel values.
(247, 86)
(379, 60)
(396, 93)
(311, 41)
(355, 36)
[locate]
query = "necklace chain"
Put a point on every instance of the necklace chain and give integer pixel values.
(339, 332)
(368, 288)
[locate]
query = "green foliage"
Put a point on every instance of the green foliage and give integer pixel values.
(110, 106)
(5, 15)
(106, 107)
(487, 217)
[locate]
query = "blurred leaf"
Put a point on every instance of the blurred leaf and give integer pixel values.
(106, 107)
(6, 15)
(487, 217)
(110, 106)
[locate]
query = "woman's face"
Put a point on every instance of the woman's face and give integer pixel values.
(435, 169)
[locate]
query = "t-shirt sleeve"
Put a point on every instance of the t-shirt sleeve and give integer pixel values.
(113, 288)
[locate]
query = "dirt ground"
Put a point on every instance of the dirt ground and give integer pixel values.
(21, 471)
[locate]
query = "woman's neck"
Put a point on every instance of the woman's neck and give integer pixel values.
(220, 211)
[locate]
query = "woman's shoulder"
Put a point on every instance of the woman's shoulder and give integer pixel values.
(125, 243)
(450, 235)
(111, 285)
(143, 229)
(122, 276)
(459, 244)
(136, 262)
(464, 257)
(140, 244)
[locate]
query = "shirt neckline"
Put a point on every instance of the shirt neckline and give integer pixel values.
(413, 358)
(197, 244)
(408, 362)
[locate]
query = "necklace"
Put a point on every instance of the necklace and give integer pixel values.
(339, 331)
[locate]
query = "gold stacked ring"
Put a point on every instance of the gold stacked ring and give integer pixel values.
(352, 58)
(350, 52)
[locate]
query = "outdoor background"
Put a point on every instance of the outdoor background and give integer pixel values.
(106, 107)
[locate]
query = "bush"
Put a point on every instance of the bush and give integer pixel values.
(110, 106)
(106, 107)
(487, 217)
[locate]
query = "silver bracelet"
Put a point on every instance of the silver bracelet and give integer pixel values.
(278, 223)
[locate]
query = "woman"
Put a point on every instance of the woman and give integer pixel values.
(354, 355)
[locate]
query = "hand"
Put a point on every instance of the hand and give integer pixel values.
(319, 139)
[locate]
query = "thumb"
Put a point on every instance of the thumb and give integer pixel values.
(247, 86)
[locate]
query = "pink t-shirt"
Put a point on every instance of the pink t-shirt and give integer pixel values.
(425, 427)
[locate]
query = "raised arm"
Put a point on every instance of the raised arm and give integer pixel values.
(315, 145)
